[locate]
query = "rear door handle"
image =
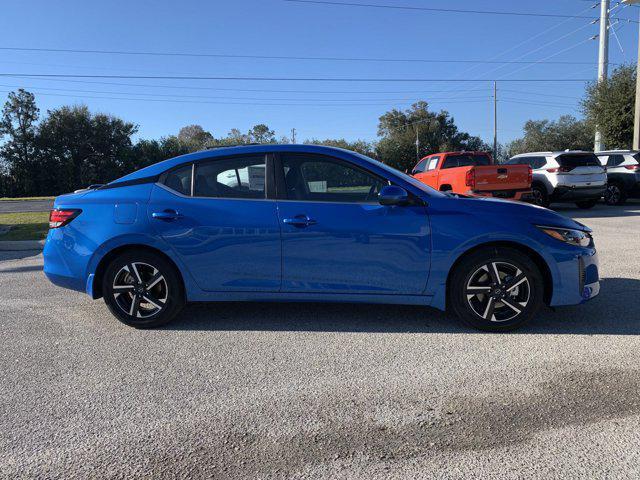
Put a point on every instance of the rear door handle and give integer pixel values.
(167, 215)
(299, 221)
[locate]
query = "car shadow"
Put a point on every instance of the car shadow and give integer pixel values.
(607, 314)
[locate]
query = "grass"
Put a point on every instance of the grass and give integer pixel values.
(6, 199)
(25, 226)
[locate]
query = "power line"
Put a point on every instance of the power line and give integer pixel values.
(441, 10)
(228, 103)
(242, 98)
(280, 79)
(273, 57)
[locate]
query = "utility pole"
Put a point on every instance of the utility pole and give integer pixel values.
(293, 135)
(417, 143)
(495, 121)
(603, 59)
(636, 120)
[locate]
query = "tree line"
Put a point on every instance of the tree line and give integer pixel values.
(71, 147)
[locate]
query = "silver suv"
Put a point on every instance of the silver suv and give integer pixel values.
(623, 175)
(569, 176)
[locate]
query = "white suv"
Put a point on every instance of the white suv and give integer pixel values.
(569, 176)
(623, 175)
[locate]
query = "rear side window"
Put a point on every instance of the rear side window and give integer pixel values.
(578, 160)
(614, 160)
(533, 162)
(241, 177)
(179, 180)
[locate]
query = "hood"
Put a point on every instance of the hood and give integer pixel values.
(517, 210)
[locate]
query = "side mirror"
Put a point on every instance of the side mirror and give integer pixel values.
(393, 195)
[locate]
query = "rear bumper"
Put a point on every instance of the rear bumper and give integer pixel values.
(520, 195)
(61, 267)
(570, 193)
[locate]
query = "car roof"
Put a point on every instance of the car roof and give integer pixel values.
(561, 152)
(163, 166)
(607, 152)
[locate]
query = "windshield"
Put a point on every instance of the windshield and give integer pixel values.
(407, 178)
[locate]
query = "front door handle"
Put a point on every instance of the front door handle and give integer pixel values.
(167, 215)
(299, 221)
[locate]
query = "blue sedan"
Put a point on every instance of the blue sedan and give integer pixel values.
(310, 223)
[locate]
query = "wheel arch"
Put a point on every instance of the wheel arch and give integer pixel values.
(445, 187)
(535, 256)
(113, 253)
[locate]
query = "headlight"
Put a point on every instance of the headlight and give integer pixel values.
(578, 238)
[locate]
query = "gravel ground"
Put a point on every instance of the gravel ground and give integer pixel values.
(322, 391)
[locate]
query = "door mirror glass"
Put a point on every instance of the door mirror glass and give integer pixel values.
(393, 195)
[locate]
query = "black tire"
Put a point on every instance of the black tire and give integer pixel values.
(526, 296)
(615, 194)
(154, 291)
(586, 204)
(540, 196)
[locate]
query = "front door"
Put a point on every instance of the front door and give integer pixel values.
(216, 217)
(337, 238)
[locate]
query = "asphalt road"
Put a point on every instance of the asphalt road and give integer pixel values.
(322, 391)
(15, 206)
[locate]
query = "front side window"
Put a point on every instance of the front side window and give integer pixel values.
(324, 179)
(240, 177)
(421, 166)
(179, 180)
(433, 163)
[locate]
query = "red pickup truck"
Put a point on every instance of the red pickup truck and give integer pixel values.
(474, 173)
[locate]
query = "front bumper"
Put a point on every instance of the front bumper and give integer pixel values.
(579, 279)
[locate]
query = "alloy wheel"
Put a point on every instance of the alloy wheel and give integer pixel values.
(612, 194)
(498, 291)
(140, 290)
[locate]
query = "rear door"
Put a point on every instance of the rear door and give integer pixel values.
(217, 218)
(337, 238)
(580, 170)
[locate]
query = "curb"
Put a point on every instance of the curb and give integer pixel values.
(21, 245)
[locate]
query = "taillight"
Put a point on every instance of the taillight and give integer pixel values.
(530, 175)
(62, 216)
(560, 170)
(634, 168)
(470, 178)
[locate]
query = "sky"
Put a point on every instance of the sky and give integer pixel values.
(397, 43)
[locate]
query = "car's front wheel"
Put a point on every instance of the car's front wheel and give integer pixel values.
(142, 289)
(496, 289)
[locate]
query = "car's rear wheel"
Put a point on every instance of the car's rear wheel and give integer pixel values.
(539, 196)
(615, 194)
(142, 289)
(496, 289)
(586, 204)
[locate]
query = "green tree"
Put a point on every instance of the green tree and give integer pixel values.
(196, 137)
(360, 146)
(87, 148)
(261, 133)
(548, 135)
(18, 124)
(436, 132)
(610, 105)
